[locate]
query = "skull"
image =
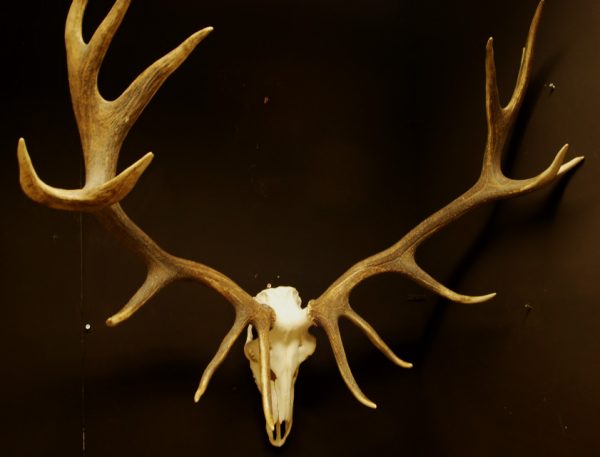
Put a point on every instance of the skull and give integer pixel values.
(290, 345)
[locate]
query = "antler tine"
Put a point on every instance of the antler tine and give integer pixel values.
(74, 24)
(492, 185)
(374, 337)
(332, 329)
(409, 267)
(157, 278)
(526, 61)
(102, 124)
(237, 328)
(85, 199)
(262, 327)
(104, 34)
(494, 112)
(135, 98)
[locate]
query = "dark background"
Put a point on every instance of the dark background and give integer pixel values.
(300, 137)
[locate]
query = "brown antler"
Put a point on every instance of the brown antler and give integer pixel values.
(103, 126)
(400, 258)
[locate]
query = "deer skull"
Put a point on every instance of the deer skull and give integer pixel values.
(291, 344)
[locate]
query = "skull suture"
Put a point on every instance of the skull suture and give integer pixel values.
(291, 344)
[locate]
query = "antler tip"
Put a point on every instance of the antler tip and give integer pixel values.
(115, 320)
(489, 47)
(360, 396)
(538, 11)
(472, 300)
(25, 164)
(578, 159)
(483, 298)
(369, 404)
(201, 34)
(489, 53)
(570, 165)
(557, 164)
(199, 394)
(31, 184)
(140, 166)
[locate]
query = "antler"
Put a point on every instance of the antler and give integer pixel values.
(103, 126)
(400, 258)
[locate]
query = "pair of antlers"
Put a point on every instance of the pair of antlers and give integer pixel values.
(103, 126)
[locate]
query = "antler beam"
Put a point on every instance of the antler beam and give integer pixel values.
(103, 126)
(400, 258)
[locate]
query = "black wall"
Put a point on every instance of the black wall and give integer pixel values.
(300, 137)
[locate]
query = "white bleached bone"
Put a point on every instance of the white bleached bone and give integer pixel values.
(291, 344)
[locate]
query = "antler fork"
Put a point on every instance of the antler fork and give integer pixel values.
(103, 126)
(400, 258)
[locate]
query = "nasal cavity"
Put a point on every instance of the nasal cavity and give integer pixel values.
(279, 433)
(283, 428)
